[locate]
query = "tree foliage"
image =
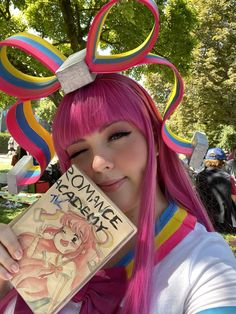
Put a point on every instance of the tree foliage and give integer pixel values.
(126, 27)
(45, 111)
(198, 36)
(210, 101)
(227, 138)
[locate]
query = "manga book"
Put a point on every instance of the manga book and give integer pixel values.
(66, 236)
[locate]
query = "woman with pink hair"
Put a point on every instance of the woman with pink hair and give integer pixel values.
(111, 130)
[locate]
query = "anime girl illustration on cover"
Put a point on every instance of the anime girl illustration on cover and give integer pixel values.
(55, 253)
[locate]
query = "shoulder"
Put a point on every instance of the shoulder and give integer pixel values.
(201, 256)
(201, 248)
(210, 250)
(224, 173)
(205, 176)
(200, 268)
(202, 175)
(206, 249)
(212, 273)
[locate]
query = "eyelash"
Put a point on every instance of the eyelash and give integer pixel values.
(114, 137)
(117, 135)
(77, 153)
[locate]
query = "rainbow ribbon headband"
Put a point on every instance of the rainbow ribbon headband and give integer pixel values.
(21, 122)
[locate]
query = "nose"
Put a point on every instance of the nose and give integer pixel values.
(101, 163)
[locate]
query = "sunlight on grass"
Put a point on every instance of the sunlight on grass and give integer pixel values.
(9, 210)
(4, 167)
(227, 236)
(7, 214)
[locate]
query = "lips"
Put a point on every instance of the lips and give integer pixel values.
(112, 185)
(64, 243)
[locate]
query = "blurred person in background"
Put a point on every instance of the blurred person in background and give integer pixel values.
(217, 191)
(230, 165)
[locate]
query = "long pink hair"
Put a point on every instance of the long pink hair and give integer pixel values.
(114, 97)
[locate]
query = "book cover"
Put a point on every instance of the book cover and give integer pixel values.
(66, 236)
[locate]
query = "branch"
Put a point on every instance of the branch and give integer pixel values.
(7, 14)
(89, 9)
(80, 30)
(157, 53)
(92, 14)
(61, 42)
(55, 98)
(69, 23)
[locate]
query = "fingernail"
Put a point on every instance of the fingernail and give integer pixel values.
(8, 276)
(15, 268)
(18, 254)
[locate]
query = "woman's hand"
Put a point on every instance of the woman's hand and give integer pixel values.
(10, 253)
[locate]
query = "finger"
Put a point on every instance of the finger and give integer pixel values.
(4, 274)
(9, 240)
(8, 266)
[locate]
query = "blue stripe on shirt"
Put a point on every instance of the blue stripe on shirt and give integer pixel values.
(220, 310)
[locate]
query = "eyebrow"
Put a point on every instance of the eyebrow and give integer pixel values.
(106, 126)
(102, 128)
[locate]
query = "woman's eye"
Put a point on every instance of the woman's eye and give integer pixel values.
(76, 154)
(118, 135)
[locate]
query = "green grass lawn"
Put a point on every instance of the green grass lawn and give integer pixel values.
(12, 209)
(227, 236)
(9, 210)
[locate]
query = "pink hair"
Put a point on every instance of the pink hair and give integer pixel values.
(77, 224)
(114, 97)
(80, 226)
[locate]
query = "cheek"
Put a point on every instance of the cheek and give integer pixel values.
(134, 155)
